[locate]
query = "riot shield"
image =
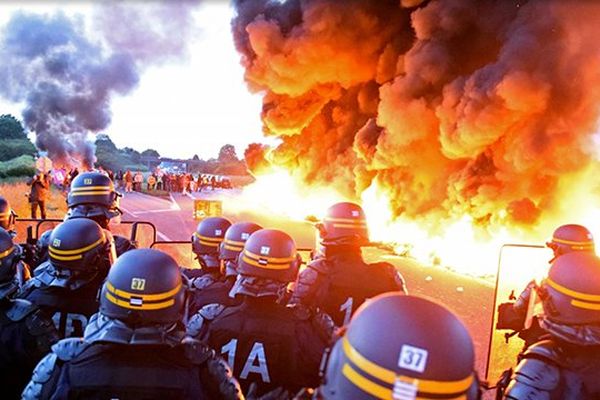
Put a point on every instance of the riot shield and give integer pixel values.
(518, 265)
(142, 233)
(181, 251)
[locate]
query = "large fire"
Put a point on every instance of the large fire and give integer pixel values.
(459, 124)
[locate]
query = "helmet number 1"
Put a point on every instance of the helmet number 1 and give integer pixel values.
(255, 363)
(346, 308)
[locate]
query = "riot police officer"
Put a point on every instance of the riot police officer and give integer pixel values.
(229, 250)
(392, 349)
(206, 242)
(133, 348)
(7, 216)
(92, 196)
(339, 281)
(25, 334)
(266, 342)
(564, 366)
(67, 286)
(565, 239)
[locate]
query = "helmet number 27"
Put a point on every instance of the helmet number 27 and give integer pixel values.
(255, 363)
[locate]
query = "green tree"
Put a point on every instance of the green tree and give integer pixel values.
(11, 128)
(227, 154)
(150, 153)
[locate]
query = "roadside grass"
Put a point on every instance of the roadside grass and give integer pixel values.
(16, 191)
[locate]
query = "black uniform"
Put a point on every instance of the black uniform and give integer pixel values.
(554, 369)
(116, 361)
(26, 335)
(211, 288)
(270, 344)
(339, 283)
(69, 308)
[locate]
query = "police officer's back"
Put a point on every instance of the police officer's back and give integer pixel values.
(565, 366)
(339, 280)
(266, 342)
(92, 195)
(25, 334)
(67, 286)
(133, 348)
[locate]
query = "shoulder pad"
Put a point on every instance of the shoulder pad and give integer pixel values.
(211, 311)
(68, 349)
(20, 309)
(536, 374)
(546, 349)
(196, 351)
(194, 326)
(202, 282)
(320, 265)
(43, 370)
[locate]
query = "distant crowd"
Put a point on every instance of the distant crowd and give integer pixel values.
(169, 182)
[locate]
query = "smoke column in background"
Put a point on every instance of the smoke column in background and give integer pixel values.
(450, 107)
(67, 80)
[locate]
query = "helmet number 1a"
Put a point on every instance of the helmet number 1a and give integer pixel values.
(255, 363)
(346, 308)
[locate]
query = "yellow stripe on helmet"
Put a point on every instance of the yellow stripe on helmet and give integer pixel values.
(145, 307)
(6, 253)
(6, 214)
(269, 259)
(389, 376)
(86, 188)
(233, 248)
(89, 193)
(572, 293)
(360, 220)
(208, 239)
(144, 297)
(589, 243)
(66, 258)
(366, 385)
(56, 251)
(234, 243)
(349, 226)
(267, 265)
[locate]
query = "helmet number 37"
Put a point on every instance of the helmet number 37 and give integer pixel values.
(255, 363)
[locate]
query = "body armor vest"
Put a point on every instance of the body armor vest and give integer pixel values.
(268, 344)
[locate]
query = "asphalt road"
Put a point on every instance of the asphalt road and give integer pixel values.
(470, 298)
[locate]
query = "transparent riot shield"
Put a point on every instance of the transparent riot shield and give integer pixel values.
(180, 251)
(518, 265)
(142, 233)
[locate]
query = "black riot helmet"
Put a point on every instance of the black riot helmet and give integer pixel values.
(80, 245)
(92, 195)
(270, 254)
(402, 347)
(209, 235)
(9, 257)
(344, 224)
(571, 292)
(569, 238)
(144, 287)
(233, 244)
(7, 215)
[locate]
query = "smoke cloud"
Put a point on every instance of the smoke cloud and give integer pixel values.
(67, 79)
(452, 107)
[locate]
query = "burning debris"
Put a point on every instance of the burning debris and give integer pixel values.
(447, 108)
(67, 80)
